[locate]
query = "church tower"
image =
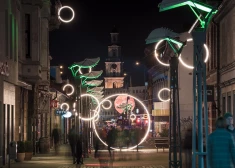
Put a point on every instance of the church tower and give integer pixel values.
(113, 66)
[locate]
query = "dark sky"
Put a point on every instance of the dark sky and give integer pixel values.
(88, 35)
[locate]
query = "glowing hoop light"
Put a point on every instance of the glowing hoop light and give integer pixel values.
(65, 104)
(189, 66)
(180, 57)
(66, 21)
(96, 110)
(72, 89)
(110, 105)
(80, 72)
(156, 54)
(132, 117)
(145, 108)
(159, 94)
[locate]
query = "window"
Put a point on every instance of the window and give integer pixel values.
(224, 104)
(27, 36)
(6, 32)
(229, 103)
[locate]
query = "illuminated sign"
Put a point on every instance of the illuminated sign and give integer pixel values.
(60, 112)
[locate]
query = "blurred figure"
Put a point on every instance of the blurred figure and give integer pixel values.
(221, 147)
(72, 141)
(229, 123)
(79, 152)
(101, 154)
(110, 139)
(56, 138)
(187, 146)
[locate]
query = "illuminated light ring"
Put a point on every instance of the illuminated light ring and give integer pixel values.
(191, 67)
(96, 114)
(80, 72)
(97, 108)
(110, 105)
(67, 115)
(148, 129)
(66, 21)
(156, 54)
(69, 85)
(159, 96)
(74, 105)
(65, 104)
(132, 118)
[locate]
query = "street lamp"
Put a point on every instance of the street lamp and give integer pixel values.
(81, 80)
(204, 13)
(174, 131)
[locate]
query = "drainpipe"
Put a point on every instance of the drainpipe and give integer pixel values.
(218, 90)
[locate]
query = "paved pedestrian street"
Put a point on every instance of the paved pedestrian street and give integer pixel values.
(145, 158)
(73, 166)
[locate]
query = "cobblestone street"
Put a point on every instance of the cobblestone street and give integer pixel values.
(148, 158)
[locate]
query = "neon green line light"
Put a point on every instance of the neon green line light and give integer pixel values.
(194, 4)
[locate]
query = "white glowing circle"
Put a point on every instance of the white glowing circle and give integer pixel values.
(145, 108)
(97, 108)
(65, 104)
(74, 105)
(80, 72)
(110, 105)
(184, 64)
(159, 94)
(156, 54)
(66, 21)
(132, 117)
(67, 114)
(191, 67)
(72, 89)
(207, 53)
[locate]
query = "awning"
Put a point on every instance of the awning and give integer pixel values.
(24, 85)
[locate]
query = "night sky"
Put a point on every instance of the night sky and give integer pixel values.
(88, 35)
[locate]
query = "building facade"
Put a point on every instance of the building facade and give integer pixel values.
(159, 78)
(221, 65)
(25, 65)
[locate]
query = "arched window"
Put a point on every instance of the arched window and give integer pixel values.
(114, 84)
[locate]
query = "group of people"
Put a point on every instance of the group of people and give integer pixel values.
(220, 144)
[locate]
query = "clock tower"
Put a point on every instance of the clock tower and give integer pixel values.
(113, 66)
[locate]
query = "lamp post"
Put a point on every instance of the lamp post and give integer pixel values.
(175, 157)
(81, 80)
(204, 14)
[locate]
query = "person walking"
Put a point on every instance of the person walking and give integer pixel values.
(221, 147)
(79, 152)
(187, 146)
(229, 123)
(56, 138)
(72, 137)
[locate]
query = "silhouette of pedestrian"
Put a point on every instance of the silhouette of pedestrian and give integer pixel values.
(56, 138)
(72, 141)
(79, 152)
(187, 146)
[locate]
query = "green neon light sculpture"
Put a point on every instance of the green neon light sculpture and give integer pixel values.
(199, 74)
(195, 5)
